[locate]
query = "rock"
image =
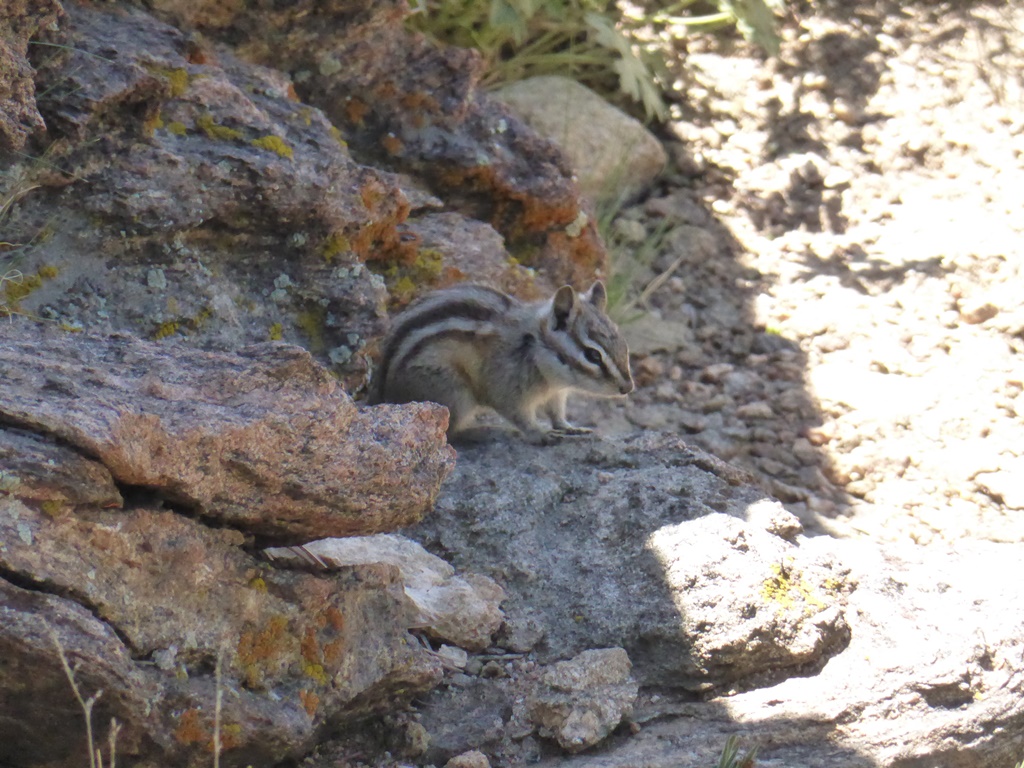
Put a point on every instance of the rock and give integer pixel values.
(264, 441)
(746, 599)
(520, 634)
(756, 410)
(1005, 484)
(472, 759)
(200, 200)
(20, 21)
(452, 657)
(582, 700)
(557, 540)
(460, 610)
(978, 311)
(296, 648)
(43, 472)
(401, 100)
(648, 334)
(918, 684)
(613, 155)
(196, 142)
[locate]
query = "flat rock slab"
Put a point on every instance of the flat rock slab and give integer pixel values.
(264, 441)
(932, 677)
(645, 544)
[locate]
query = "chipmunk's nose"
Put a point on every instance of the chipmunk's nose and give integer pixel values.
(626, 387)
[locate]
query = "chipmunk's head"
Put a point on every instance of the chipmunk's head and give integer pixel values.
(589, 352)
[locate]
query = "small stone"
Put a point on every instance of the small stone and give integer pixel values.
(631, 231)
(472, 759)
(452, 657)
(692, 422)
(805, 451)
(156, 279)
(647, 370)
(716, 403)
(756, 410)
(774, 518)
(521, 634)
(974, 313)
(716, 372)
(493, 670)
(837, 177)
(820, 435)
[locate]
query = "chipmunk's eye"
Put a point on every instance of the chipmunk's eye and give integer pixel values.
(592, 355)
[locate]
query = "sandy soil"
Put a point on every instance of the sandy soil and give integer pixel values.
(843, 267)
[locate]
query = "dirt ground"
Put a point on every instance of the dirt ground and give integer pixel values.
(844, 268)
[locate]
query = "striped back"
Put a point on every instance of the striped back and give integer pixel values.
(464, 310)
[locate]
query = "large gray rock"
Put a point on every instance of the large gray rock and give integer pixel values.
(613, 155)
(932, 676)
(823, 652)
(636, 544)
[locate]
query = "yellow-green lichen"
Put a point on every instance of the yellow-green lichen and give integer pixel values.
(273, 144)
(180, 325)
(311, 321)
(316, 673)
(276, 332)
(336, 135)
(258, 584)
(179, 80)
(215, 130)
(165, 329)
(178, 129)
(335, 244)
(52, 507)
(788, 589)
(20, 286)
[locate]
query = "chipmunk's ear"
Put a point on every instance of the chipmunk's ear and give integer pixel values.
(562, 306)
(597, 295)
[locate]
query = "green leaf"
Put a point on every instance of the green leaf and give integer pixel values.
(756, 21)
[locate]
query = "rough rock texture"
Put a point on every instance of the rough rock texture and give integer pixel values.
(931, 677)
(264, 441)
(581, 700)
(20, 20)
(181, 192)
(105, 443)
(634, 547)
(463, 610)
(612, 154)
(167, 596)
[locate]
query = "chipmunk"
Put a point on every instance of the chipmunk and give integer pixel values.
(471, 347)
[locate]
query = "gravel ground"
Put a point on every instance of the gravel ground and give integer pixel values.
(841, 308)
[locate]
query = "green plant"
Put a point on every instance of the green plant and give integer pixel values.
(731, 755)
(580, 39)
(592, 41)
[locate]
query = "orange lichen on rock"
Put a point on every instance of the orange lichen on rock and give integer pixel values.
(190, 728)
